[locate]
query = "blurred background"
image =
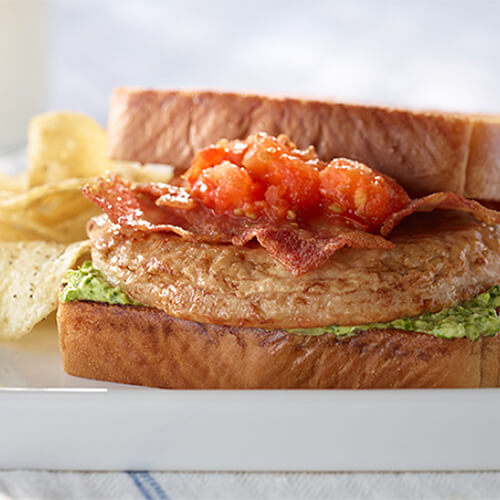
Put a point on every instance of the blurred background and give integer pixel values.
(423, 54)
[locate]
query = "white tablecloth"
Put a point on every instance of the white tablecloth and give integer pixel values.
(192, 485)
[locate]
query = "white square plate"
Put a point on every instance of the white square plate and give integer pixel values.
(51, 420)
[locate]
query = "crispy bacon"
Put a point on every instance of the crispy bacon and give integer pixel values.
(168, 195)
(300, 249)
(129, 210)
(447, 201)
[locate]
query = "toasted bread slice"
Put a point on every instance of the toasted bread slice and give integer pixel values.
(145, 346)
(424, 151)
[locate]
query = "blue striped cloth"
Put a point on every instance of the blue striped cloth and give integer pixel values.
(242, 485)
(148, 486)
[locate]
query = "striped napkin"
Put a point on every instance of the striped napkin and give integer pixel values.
(242, 485)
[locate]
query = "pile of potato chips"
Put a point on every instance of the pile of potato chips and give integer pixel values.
(43, 214)
(65, 151)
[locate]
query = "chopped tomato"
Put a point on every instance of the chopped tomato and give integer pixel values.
(284, 179)
(355, 190)
(273, 164)
(224, 187)
(268, 176)
(214, 155)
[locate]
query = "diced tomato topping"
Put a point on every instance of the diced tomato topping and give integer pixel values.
(290, 182)
(268, 176)
(214, 155)
(224, 187)
(353, 189)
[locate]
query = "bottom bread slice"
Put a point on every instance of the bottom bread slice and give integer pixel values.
(145, 346)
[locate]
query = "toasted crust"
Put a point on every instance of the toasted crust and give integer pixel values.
(425, 151)
(145, 346)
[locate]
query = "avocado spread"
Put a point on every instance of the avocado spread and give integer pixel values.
(472, 319)
(88, 283)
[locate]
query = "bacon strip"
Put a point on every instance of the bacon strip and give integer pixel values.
(126, 209)
(297, 249)
(168, 195)
(301, 251)
(166, 208)
(447, 201)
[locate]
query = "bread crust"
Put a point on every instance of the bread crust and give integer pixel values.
(424, 151)
(145, 346)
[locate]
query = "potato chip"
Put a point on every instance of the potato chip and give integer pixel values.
(65, 145)
(30, 279)
(14, 184)
(43, 209)
(56, 211)
(75, 228)
(5, 194)
(12, 232)
(33, 195)
(67, 231)
(150, 172)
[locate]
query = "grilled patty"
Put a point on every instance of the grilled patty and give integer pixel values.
(439, 259)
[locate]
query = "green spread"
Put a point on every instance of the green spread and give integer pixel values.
(472, 319)
(88, 283)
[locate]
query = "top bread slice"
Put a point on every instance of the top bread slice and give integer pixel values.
(424, 151)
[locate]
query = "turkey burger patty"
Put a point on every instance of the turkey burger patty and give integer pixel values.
(439, 260)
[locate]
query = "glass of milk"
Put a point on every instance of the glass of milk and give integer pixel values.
(23, 57)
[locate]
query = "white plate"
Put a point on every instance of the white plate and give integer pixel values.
(51, 420)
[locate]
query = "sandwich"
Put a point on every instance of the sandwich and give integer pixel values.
(301, 244)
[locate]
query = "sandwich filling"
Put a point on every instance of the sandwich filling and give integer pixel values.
(89, 284)
(265, 190)
(472, 319)
(261, 234)
(436, 261)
